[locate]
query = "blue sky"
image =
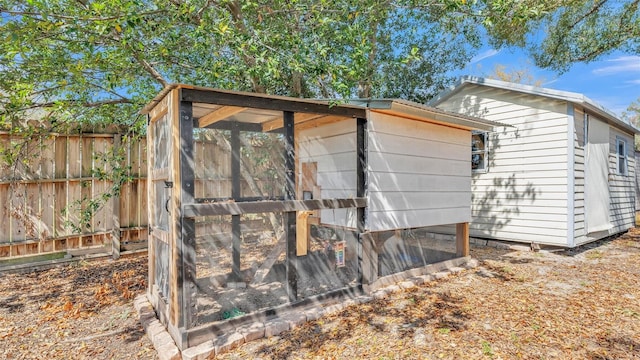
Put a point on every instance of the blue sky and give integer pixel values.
(613, 81)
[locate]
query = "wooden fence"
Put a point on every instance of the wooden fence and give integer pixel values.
(44, 194)
(47, 183)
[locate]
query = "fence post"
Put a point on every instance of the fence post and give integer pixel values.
(115, 231)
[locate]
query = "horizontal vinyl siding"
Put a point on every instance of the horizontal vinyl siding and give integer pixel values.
(526, 235)
(637, 185)
(396, 163)
(523, 196)
(578, 173)
(419, 174)
(621, 187)
(333, 147)
(386, 220)
(411, 182)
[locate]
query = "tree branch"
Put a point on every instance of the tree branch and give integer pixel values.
(150, 69)
(38, 16)
(595, 8)
(85, 104)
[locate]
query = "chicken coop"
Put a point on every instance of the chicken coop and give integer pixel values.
(259, 203)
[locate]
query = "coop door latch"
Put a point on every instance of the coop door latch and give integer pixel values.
(168, 185)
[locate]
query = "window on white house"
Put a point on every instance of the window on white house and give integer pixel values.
(586, 130)
(621, 146)
(479, 151)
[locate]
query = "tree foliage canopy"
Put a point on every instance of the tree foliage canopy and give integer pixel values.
(99, 61)
(571, 31)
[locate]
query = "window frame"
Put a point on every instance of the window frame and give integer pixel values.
(624, 156)
(484, 152)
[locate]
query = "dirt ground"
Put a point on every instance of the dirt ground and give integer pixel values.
(579, 304)
(79, 311)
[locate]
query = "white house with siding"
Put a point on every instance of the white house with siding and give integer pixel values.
(561, 173)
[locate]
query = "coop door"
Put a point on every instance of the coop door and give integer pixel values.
(160, 201)
(596, 187)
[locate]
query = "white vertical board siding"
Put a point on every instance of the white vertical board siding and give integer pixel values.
(523, 196)
(419, 173)
(622, 188)
(333, 147)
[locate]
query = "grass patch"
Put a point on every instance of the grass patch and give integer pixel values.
(486, 349)
(507, 270)
(593, 255)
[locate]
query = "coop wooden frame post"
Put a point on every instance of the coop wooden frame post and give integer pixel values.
(185, 245)
(151, 249)
(236, 194)
(462, 239)
(290, 194)
(361, 192)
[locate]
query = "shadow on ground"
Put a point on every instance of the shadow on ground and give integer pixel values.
(418, 310)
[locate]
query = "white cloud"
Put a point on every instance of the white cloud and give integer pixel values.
(620, 64)
(633, 82)
(484, 55)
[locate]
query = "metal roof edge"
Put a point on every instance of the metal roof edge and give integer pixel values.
(412, 108)
(448, 92)
(572, 97)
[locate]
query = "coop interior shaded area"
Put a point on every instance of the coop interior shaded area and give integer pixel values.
(326, 257)
(234, 279)
(401, 250)
(246, 272)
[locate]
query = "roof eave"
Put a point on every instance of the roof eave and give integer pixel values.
(611, 119)
(571, 97)
(198, 94)
(417, 110)
(453, 119)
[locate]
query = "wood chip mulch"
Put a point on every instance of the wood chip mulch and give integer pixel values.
(575, 304)
(78, 311)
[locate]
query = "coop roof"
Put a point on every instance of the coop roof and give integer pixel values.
(222, 109)
(416, 110)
